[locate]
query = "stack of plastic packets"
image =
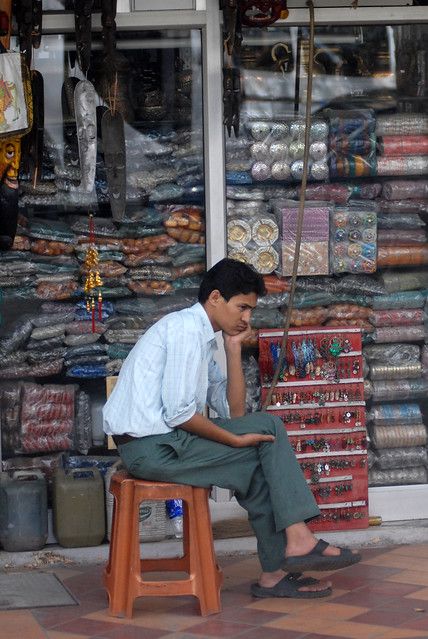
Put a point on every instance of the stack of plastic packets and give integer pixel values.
(253, 240)
(399, 441)
(352, 143)
(314, 248)
(398, 433)
(277, 150)
(402, 144)
(353, 238)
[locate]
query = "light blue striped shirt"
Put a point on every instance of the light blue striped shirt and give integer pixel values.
(168, 376)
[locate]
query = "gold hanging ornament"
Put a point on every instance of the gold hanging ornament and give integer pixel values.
(93, 281)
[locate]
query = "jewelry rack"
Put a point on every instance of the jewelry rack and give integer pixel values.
(320, 398)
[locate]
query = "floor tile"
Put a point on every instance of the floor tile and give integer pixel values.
(236, 597)
(218, 628)
(373, 552)
(54, 634)
(160, 619)
(352, 630)
(367, 571)
(411, 604)
(333, 610)
(364, 598)
(411, 576)
(367, 631)
(403, 562)
(418, 624)
(402, 633)
(347, 582)
(313, 635)
(248, 615)
(271, 633)
(301, 623)
(188, 609)
(419, 550)
(86, 626)
(393, 589)
(387, 617)
(51, 617)
(16, 624)
(133, 632)
(281, 605)
(421, 594)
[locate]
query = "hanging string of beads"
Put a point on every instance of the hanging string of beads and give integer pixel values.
(93, 281)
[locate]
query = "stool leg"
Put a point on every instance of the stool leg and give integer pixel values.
(116, 575)
(135, 563)
(210, 576)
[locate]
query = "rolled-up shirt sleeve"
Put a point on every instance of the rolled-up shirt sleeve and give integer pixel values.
(217, 387)
(181, 375)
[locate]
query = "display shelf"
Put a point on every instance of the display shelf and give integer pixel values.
(329, 437)
(315, 382)
(326, 405)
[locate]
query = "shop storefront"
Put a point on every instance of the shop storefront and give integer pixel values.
(157, 151)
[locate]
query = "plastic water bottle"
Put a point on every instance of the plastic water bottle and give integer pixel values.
(174, 509)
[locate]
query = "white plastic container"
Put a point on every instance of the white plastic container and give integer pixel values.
(154, 523)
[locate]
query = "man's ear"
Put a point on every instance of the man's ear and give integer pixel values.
(214, 297)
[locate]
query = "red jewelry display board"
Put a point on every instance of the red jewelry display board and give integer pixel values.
(320, 398)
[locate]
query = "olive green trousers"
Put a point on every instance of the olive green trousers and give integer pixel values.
(267, 480)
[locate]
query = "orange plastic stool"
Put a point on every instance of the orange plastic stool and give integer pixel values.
(123, 576)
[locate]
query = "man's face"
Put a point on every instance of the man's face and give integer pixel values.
(234, 316)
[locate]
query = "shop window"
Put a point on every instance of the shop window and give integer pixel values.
(364, 251)
(117, 168)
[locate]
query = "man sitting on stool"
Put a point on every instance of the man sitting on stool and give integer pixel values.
(156, 417)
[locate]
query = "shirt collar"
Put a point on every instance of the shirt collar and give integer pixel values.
(207, 328)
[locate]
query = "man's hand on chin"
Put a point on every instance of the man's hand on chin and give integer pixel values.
(231, 341)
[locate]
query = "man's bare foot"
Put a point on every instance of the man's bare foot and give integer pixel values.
(301, 541)
(299, 549)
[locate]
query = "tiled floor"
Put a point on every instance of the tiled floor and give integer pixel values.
(383, 597)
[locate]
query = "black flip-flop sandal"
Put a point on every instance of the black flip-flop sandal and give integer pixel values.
(289, 587)
(315, 560)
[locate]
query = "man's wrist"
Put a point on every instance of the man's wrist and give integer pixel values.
(236, 441)
(235, 348)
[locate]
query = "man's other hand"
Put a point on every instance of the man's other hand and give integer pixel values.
(252, 439)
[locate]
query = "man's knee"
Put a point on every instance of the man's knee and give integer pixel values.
(268, 423)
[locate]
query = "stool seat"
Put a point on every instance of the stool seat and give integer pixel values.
(123, 576)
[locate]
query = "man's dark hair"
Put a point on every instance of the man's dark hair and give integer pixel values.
(231, 277)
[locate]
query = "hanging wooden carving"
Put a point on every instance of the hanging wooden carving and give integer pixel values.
(86, 125)
(231, 99)
(36, 135)
(67, 99)
(113, 136)
(24, 19)
(114, 88)
(83, 22)
(112, 74)
(232, 36)
(36, 34)
(232, 39)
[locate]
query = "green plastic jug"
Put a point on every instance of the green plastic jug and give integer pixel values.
(78, 507)
(23, 510)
